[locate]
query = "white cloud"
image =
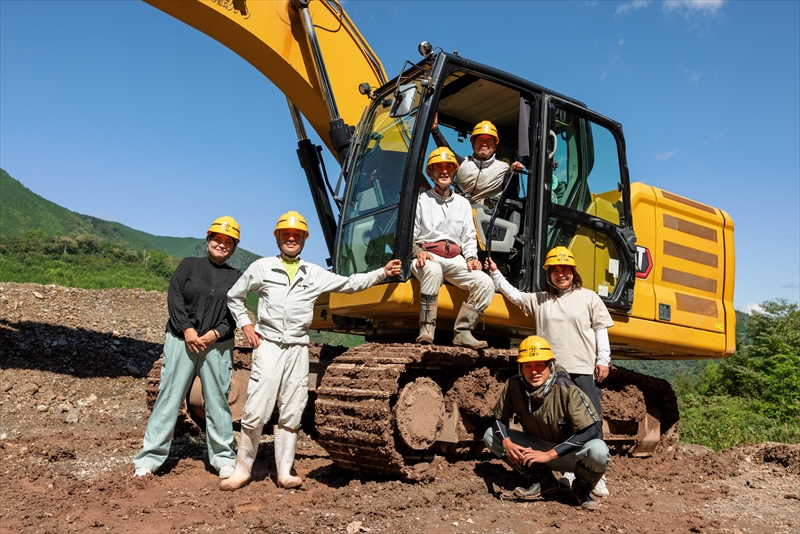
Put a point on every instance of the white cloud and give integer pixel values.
(750, 307)
(621, 41)
(688, 8)
(664, 156)
(630, 7)
(790, 285)
(694, 75)
(717, 137)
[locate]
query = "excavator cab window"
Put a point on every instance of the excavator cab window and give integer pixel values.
(466, 99)
(588, 184)
(369, 229)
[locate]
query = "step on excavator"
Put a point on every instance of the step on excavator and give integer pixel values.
(662, 263)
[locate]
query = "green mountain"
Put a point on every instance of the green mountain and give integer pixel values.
(22, 210)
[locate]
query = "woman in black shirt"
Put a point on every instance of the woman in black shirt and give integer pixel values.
(199, 341)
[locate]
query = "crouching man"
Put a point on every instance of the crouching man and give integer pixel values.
(561, 429)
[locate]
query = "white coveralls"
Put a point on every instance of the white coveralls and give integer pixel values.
(280, 363)
(450, 218)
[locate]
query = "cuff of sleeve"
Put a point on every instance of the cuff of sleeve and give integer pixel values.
(222, 330)
(471, 258)
(562, 449)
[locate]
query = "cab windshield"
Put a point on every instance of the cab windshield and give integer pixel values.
(372, 199)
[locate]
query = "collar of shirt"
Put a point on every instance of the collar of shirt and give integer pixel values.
(482, 163)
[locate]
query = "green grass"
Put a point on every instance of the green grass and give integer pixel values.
(722, 422)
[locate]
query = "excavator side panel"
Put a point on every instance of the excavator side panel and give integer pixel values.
(686, 275)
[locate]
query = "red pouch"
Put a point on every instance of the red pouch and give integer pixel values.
(445, 249)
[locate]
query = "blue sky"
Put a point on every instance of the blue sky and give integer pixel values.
(117, 110)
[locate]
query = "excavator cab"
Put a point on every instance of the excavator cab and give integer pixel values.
(575, 191)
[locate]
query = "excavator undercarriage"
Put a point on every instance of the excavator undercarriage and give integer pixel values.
(391, 409)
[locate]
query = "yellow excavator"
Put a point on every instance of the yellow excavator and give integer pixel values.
(663, 264)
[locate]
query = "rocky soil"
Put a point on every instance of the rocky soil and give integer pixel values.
(73, 410)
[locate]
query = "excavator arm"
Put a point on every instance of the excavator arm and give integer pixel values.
(273, 36)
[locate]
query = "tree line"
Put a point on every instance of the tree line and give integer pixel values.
(753, 396)
(83, 260)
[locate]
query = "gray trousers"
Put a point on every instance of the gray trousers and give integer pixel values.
(594, 455)
(214, 366)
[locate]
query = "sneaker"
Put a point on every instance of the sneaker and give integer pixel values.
(565, 482)
(583, 495)
(600, 490)
(142, 472)
(546, 484)
(226, 471)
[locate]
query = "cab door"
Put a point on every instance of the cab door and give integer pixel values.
(584, 200)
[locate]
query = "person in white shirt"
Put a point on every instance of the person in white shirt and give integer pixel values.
(575, 322)
(445, 248)
(287, 288)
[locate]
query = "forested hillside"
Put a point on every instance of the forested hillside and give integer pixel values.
(22, 210)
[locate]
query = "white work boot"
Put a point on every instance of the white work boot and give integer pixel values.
(285, 445)
(245, 458)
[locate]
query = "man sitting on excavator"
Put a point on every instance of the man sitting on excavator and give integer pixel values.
(480, 175)
(445, 246)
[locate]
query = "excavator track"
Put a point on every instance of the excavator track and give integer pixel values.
(356, 407)
(389, 409)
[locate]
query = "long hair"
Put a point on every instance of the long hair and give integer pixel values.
(552, 291)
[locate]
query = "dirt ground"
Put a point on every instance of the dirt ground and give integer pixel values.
(72, 415)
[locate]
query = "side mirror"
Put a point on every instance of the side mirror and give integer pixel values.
(404, 98)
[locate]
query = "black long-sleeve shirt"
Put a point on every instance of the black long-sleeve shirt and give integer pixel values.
(197, 298)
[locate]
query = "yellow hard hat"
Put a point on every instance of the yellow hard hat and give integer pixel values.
(291, 219)
(442, 155)
(534, 349)
(485, 128)
(225, 225)
(559, 256)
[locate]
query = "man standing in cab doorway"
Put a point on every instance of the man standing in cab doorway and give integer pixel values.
(481, 175)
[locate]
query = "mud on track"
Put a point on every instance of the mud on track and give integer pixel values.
(73, 411)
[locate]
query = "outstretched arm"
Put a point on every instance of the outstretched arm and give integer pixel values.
(512, 293)
(440, 140)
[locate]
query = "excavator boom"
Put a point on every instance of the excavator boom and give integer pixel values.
(269, 34)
